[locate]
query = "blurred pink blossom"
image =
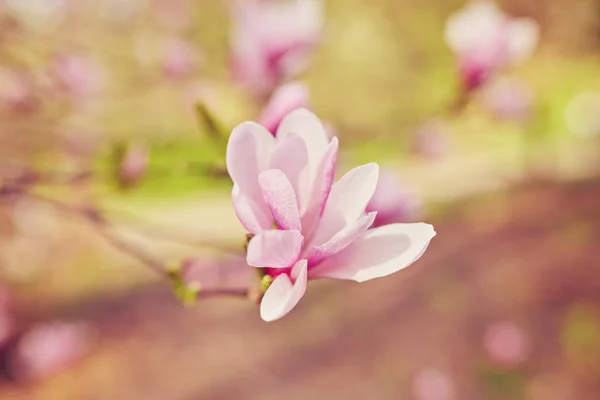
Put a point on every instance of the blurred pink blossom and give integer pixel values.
(77, 75)
(134, 164)
(16, 92)
(432, 139)
(485, 40)
(322, 227)
(285, 99)
(271, 41)
(179, 59)
(509, 99)
(432, 384)
(392, 201)
(505, 343)
(48, 348)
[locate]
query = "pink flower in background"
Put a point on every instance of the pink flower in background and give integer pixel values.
(392, 201)
(509, 99)
(432, 139)
(77, 75)
(284, 100)
(134, 164)
(16, 93)
(48, 348)
(505, 343)
(179, 58)
(432, 384)
(485, 40)
(272, 41)
(322, 231)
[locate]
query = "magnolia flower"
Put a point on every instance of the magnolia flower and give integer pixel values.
(485, 40)
(392, 202)
(134, 164)
(272, 40)
(509, 99)
(284, 100)
(78, 76)
(304, 225)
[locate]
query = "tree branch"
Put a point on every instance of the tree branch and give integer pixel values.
(102, 227)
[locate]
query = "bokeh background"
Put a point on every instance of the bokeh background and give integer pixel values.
(98, 106)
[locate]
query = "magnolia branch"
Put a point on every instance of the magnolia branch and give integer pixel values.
(103, 228)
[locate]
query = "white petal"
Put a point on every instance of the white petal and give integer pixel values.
(282, 296)
(341, 240)
(379, 252)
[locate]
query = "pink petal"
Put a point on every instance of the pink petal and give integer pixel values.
(274, 249)
(341, 240)
(248, 152)
(286, 98)
(308, 126)
(280, 198)
(255, 218)
(379, 252)
(324, 181)
(351, 194)
(347, 201)
(283, 295)
(312, 209)
(291, 156)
